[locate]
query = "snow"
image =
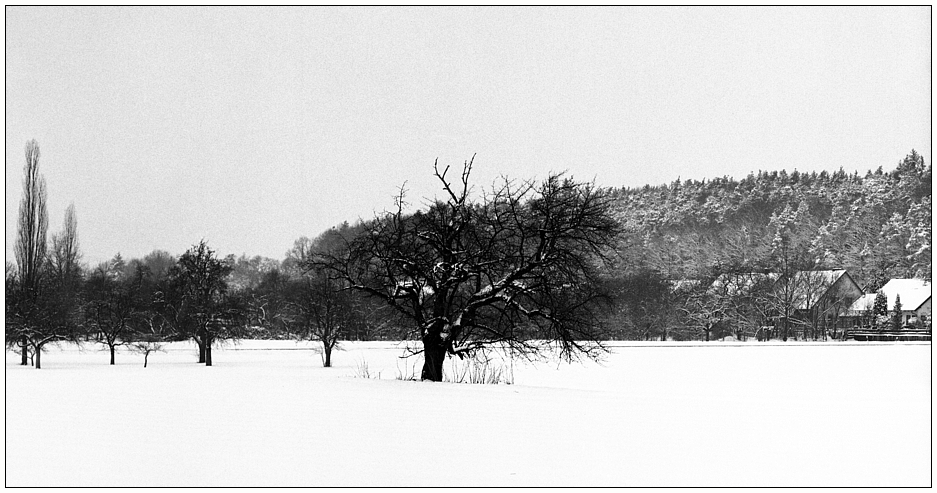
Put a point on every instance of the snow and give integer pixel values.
(651, 414)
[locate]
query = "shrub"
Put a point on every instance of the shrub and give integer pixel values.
(481, 370)
(362, 371)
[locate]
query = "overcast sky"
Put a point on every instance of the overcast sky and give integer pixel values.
(251, 127)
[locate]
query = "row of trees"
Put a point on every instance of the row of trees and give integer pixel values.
(145, 302)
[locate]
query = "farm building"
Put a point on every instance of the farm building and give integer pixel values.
(817, 299)
(824, 293)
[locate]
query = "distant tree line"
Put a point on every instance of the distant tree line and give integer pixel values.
(525, 265)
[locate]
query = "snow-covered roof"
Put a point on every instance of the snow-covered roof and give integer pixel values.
(683, 284)
(740, 283)
(913, 293)
(863, 304)
(826, 277)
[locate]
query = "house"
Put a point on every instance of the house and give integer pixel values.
(915, 296)
(738, 301)
(824, 290)
(817, 300)
(860, 312)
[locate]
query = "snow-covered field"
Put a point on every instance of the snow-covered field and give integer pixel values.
(652, 414)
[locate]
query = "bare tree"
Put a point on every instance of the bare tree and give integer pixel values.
(149, 335)
(113, 307)
(705, 312)
(516, 268)
(323, 311)
(320, 307)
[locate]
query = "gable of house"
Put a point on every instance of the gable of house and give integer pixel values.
(862, 305)
(924, 310)
(819, 288)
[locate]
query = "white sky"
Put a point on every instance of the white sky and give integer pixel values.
(251, 127)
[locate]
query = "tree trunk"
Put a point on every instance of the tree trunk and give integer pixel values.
(25, 342)
(146, 356)
(208, 352)
(201, 349)
(112, 354)
(328, 356)
(434, 353)
(38, 355)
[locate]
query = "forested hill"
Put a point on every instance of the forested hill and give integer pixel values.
(877, 226)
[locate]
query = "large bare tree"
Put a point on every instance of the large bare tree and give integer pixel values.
(515, 267)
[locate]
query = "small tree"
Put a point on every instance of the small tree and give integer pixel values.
(323, 312)
(322, 308)
(149, 336)
(879, 308)
(897, 315)
(114, 306)
(51, 317)
(705, 312)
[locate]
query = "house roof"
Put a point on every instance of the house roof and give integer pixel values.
(863, 304)
(740, 283)
(913, 293)
(825, 277)
(683, 284)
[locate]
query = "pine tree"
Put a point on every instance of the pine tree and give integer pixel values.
(897, 312)
(879, 308)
